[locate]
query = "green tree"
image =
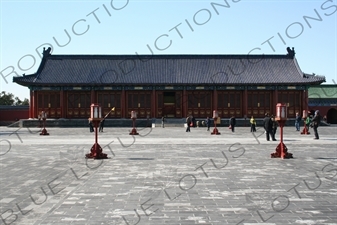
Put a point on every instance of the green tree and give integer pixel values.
(10, 99)
(6, 99)
(25, 102)
(17, 101)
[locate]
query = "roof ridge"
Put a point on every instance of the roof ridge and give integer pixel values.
(169, 56)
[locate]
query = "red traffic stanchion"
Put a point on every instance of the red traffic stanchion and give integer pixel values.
(281, 117)
(133, 117)
(305, 129)
(96, 152)
(215, 117)
(44, 118)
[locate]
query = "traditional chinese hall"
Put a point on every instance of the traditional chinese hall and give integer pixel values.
(173, 86)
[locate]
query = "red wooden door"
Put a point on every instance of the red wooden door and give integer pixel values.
(140, 102)
(293, 101)
(109, 99)
(199, 104)
(259, 103)
(50, 103)
(230, 104)
(78, 104)
(169, 104)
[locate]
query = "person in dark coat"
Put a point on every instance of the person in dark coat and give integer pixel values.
(162, 121)
(91, 128)
(267, 124)
(101, 125)
(232, 123)
(188, 121)
(193, 121)
(316, 122)
(274, 127)
(208, 123)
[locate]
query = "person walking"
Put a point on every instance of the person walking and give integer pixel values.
(297, 121)
(91, 128)
(208, 123)
(101, 125)
(252, 124)
(316, 122)
(162, 121)
(273, 127)
(232, 123)
(267, 124)
(193, 122)
(40, 120)
(188, 121)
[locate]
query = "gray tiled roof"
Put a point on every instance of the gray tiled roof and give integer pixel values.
(167, 69)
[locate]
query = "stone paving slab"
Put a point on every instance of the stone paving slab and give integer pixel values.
(166, 176)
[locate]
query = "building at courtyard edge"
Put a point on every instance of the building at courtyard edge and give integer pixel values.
(168, 85)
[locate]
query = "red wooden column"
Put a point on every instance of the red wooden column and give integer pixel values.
(34, 105)
(185, 103)
(62, 104)
(31, 99)
(123, 108)
(305, 100)
(93, 96)
(245, 102)
(275, 100)
(153, 104)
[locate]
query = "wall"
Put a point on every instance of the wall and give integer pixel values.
(10, 114)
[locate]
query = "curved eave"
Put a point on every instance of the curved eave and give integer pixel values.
(26, 81)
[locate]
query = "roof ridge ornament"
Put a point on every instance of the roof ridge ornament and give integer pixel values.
(45, 52)
(291, 52)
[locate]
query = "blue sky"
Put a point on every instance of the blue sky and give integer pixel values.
(180, 27)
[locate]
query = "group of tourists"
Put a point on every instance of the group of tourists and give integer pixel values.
(270, 125)
(312, 121)
(101, 124)
(191, 122)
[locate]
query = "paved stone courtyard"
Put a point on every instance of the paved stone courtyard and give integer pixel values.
(167, 176)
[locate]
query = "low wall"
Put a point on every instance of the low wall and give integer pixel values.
(11, 114)
(128, 123)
